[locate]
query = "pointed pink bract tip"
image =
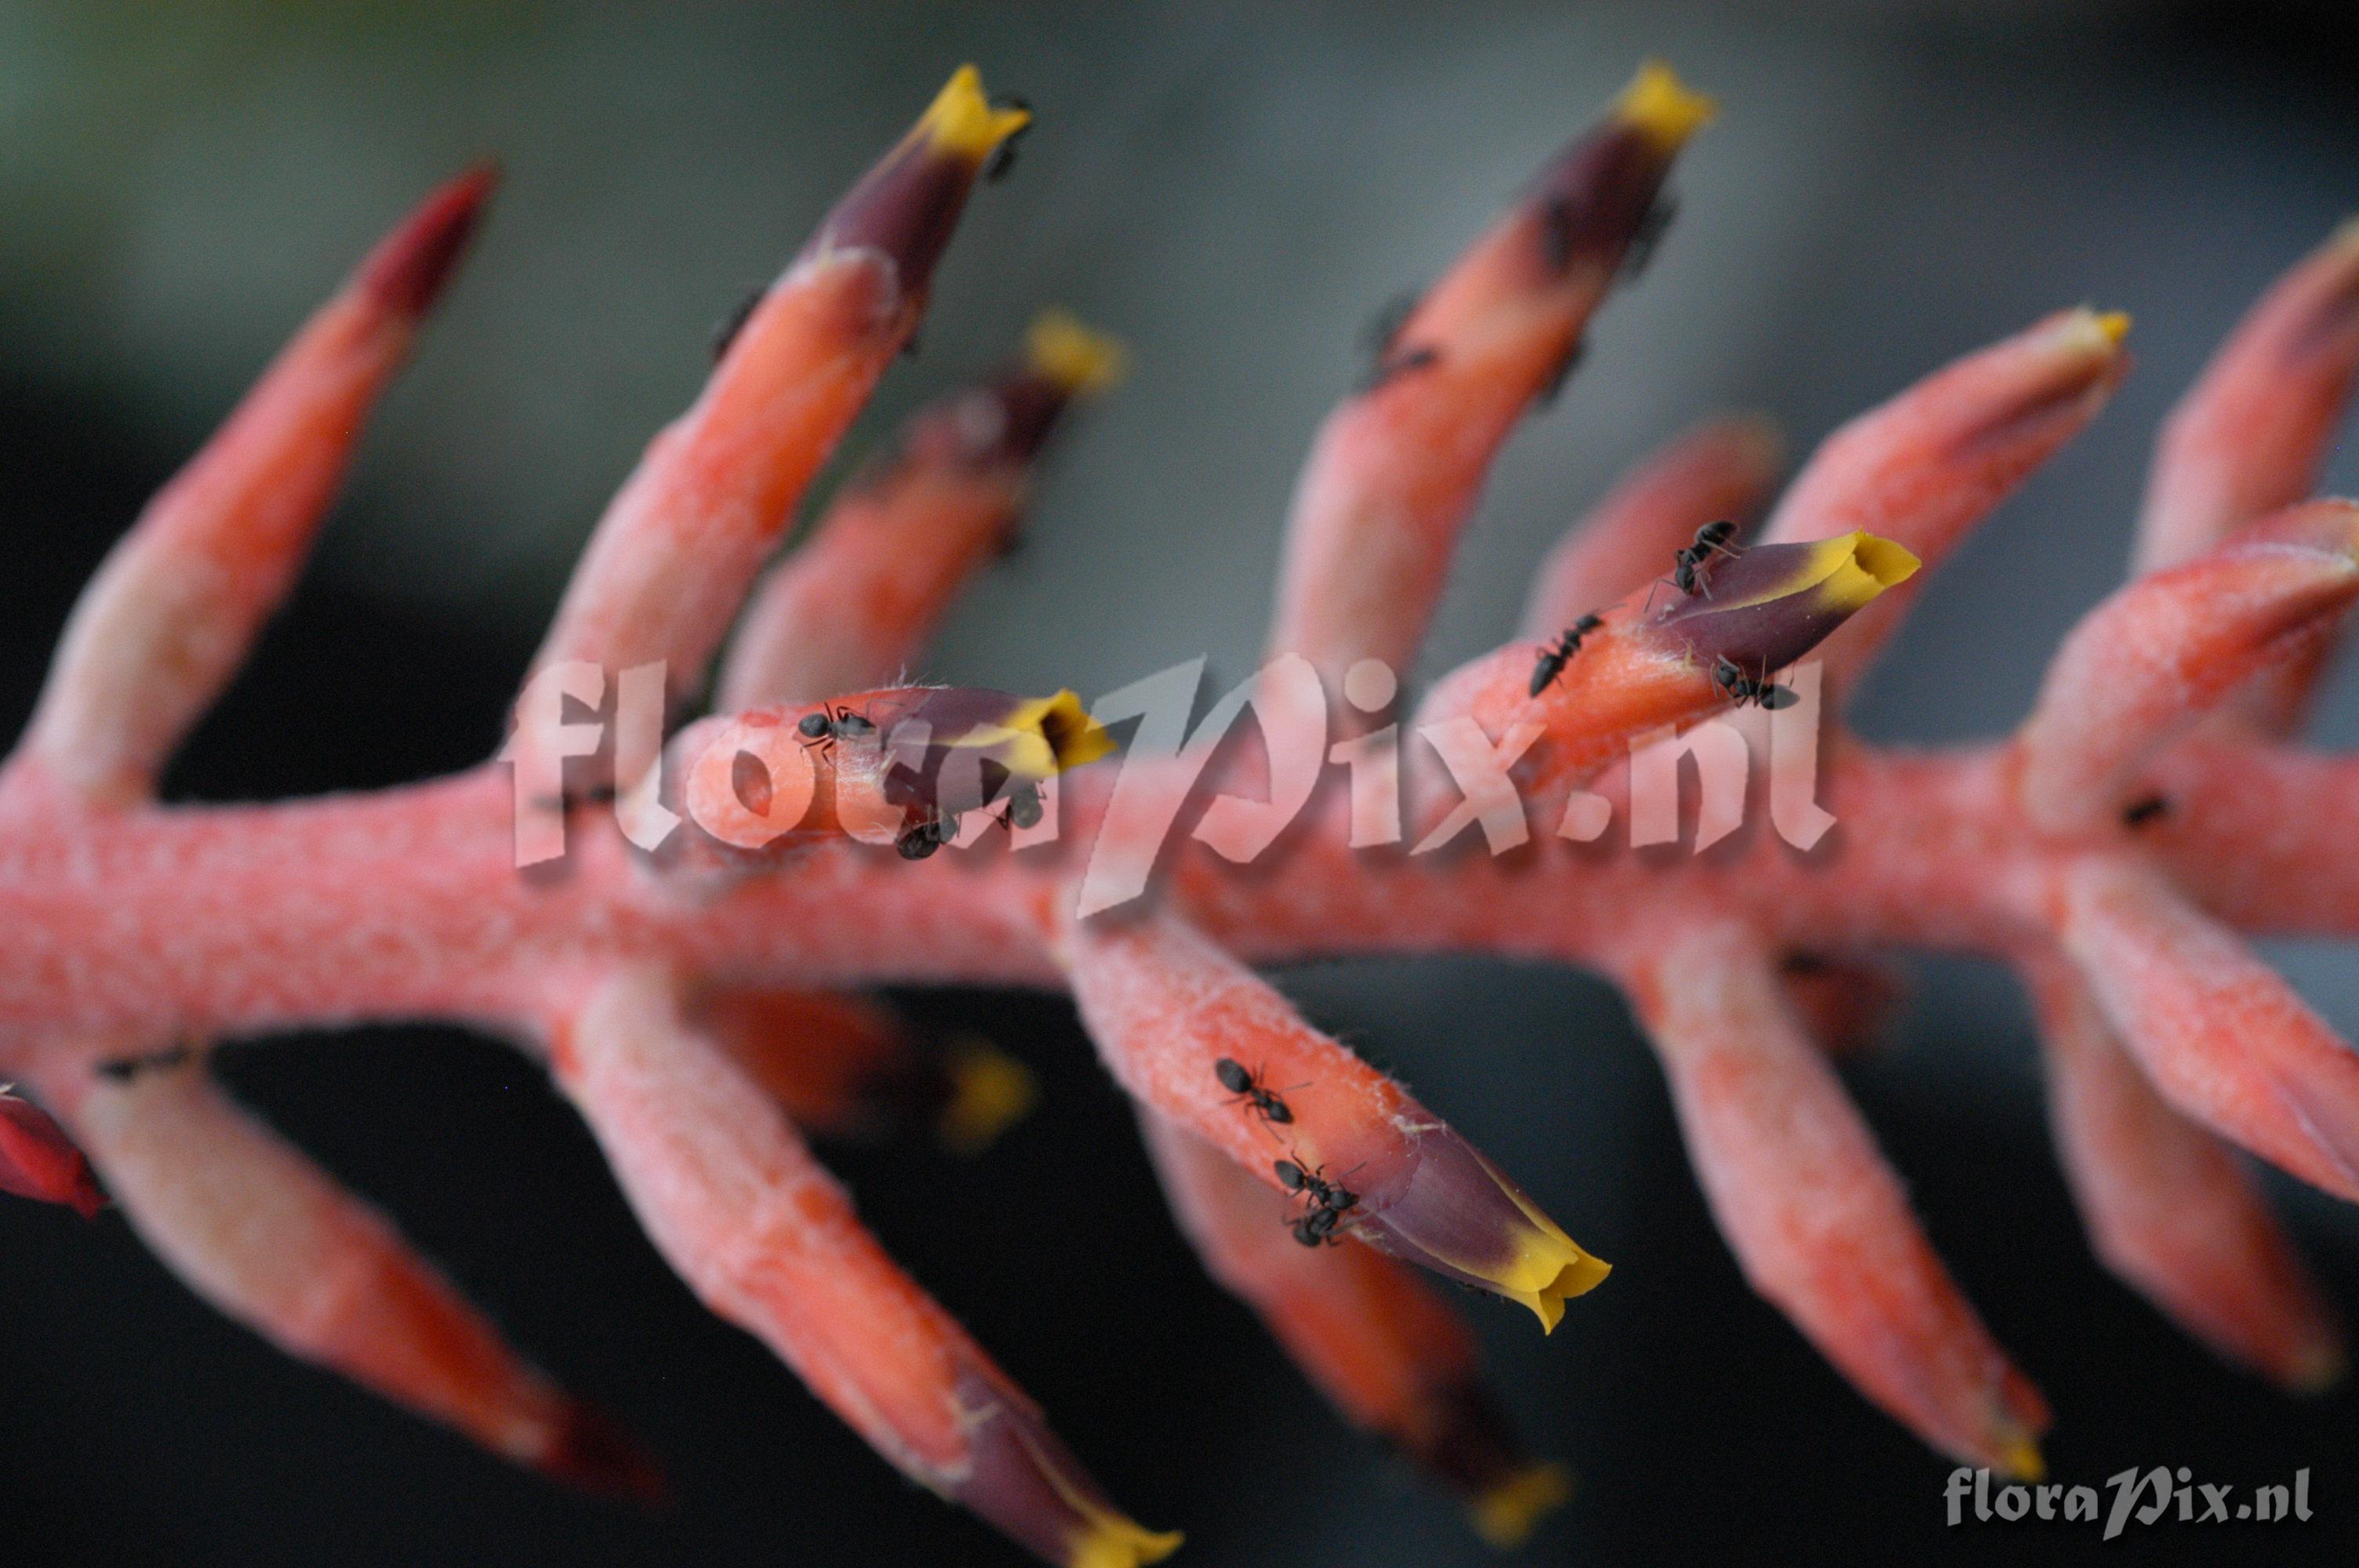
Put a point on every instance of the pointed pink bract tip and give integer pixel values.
(591, 1450)
(38, 1161)
(410, 266)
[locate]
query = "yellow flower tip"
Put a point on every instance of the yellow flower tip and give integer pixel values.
(2085, 330)
(1549, 1269)
(960, 120)
(1072, 736)
(1577, 1277)
(991, 1091)
(1506, 1516)
(1887, 563)
(2319, 1369)
(1662, 108)
(1110, 1540)
(1850, 569)
(1082, 363)
(1546, 1268)
(2018, 1457)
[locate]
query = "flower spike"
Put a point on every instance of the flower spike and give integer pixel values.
(2118, 853)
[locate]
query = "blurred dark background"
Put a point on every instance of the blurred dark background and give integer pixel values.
(1233, 188)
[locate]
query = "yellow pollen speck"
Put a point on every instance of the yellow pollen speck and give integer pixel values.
(1112, 1542)
(991, 1091)
(1081, 361)
(2020, 1460)
(1661, 107)
(962, 120)
(1506, 1516)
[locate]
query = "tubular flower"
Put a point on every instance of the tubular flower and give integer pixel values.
(734, 1201)
(1751, 614)
(898, 766)
(1389, 1354)
(2120, 852)
(1459, 1217)
(905, 208)
(671, 561)
(1403, 460)
(848, 1067)
(1724, 468)
(1177, 1020)
(1773, 603)
(911, 527)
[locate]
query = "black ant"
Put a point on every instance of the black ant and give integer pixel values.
(1558, 654)
(123, 1069)
(834, 721)
(1317, 1228)
(1649, 232)
(1259, 1099)
(1382, 333)
(1556, 234)
(1314, 1185)
(1387, 323)
(725, 333)
(1392, 366)
(921, 837)
(1553, 388)
(1003, 156)
(2138, 813)
(1691, 564)
(1741, 688)
(928, 833)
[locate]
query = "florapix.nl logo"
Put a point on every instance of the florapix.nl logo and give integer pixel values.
(2152, 1497)
(923, 768)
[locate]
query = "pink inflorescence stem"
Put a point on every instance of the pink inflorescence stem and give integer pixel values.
(698, 999)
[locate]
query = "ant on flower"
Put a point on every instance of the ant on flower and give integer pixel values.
(834, 721)
(1742, 688)
(1312, 1182)
(1555, 655)
(1258, 1097)
(1691, 564)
